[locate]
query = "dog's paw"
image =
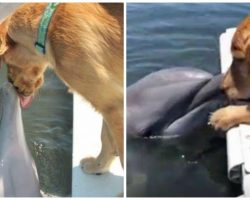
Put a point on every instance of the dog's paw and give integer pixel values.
(222, 119)
(92, 166)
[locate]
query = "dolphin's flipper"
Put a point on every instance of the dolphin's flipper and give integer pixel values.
(18, 176)
(173, 102)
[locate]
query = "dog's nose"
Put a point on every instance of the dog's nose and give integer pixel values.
(224, 87)
(16, 88)
(10, 80)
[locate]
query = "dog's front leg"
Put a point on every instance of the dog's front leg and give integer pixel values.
(230, 116)
(102, 163)
(114, 119)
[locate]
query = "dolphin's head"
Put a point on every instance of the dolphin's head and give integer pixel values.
(8, 96)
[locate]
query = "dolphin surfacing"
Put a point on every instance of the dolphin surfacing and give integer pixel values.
(18, 176)
(171, 103)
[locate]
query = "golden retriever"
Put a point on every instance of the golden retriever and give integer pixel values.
(85, 49)
(236, 82)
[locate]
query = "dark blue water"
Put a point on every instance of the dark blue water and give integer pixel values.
(175, 35)
(166, 35)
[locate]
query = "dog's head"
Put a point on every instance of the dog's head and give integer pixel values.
(24, 70)
(25, 80)
(236, 81)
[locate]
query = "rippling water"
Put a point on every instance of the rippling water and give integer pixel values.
(171, 35)
(166, 35)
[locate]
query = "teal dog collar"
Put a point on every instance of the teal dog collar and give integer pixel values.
(43, 27)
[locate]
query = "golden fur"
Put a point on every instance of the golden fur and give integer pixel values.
(85, 49)
(236, 81)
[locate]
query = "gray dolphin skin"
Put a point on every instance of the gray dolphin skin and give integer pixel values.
(171, 103)
(18, 176)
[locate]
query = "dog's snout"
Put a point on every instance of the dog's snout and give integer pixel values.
(227, 81)
(224, 87)
(10, 80)
(16, 88)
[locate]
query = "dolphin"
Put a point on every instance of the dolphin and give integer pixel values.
(171, 103)
(18, 175)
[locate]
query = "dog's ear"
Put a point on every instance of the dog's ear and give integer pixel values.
(241, 39)
(5, 40)
(3, 45)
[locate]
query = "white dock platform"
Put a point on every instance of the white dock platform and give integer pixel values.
(87, 142)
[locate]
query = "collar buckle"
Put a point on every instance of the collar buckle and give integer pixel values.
(40, 47)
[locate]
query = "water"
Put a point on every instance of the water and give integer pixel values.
(48, 127)
(162, 36)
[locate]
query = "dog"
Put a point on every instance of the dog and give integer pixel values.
(84, 47)
(236, 82)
